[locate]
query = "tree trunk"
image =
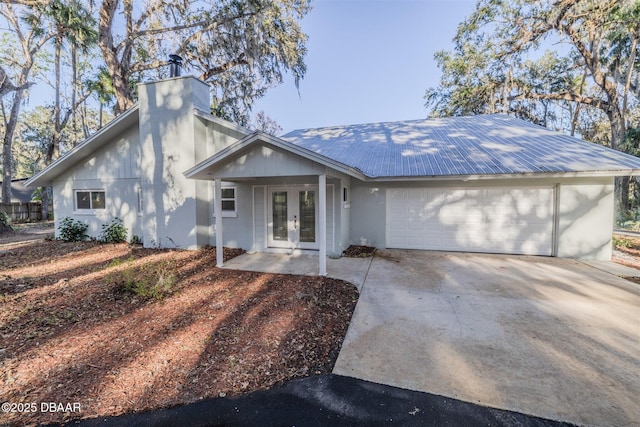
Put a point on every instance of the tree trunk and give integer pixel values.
(54, 149)
(7, 146)
(74, 90)
(618, 131)
(124, 96)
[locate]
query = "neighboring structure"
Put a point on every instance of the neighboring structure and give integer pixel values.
(20, 193)
(21, 208)
(482, 183)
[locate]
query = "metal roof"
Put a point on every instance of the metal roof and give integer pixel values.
(493, 144)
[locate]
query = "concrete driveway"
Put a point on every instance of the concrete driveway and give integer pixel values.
(550, 337)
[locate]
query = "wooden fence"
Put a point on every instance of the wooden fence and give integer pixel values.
(22, 212)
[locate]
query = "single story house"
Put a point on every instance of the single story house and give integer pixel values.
(180, 177)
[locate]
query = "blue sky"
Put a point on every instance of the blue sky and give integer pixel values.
(367, 61)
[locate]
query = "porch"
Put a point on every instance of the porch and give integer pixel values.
(286, 199)
(352, 270)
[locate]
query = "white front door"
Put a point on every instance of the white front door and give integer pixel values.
(293, 217)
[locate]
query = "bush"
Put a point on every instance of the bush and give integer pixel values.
(71, 230)
(5, 221)
(149, 281)
(114, 232)
(136, 240)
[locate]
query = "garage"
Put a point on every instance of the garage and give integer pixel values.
(495, 220)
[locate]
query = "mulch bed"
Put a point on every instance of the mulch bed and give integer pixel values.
(73, 331)
(359, 251)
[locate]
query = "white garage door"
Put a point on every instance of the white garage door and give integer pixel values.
(496, 220)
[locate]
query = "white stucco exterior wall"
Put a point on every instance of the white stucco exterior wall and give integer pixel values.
(585, 219)
(112, 169)
(168, 146)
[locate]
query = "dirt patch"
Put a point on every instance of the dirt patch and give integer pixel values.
(359, 251)
(70, 334)
(27, 231)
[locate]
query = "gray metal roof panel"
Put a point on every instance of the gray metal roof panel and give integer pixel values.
(474, 145)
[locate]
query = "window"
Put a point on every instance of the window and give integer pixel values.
(90, 200)
(228, 200)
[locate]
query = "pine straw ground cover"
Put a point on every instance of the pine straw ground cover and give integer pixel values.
(119, 329)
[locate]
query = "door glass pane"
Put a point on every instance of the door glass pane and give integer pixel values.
(279, 202)
(307, 216)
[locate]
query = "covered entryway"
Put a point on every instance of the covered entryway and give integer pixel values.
(286, 198)
(495, 220)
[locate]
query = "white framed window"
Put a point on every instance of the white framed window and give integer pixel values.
(229, 201)
(89, 200)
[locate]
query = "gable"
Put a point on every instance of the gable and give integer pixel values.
(122, 126)
(260, 155)
(118, 158)
(265, 160)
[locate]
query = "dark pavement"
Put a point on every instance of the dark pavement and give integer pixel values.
(329, 400)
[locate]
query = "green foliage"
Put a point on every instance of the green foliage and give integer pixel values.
(36, 196)
(628, 220)
(71, 230)
(5, 221)
(147, 281)
(622, 243)
(136, 240)
(114, 232)
(242, 48)
(496, 66)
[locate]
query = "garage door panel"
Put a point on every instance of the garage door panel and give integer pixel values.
(500, 220)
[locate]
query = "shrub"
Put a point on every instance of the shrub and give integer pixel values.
(4, 219)
(5, 223)
(150, 281)
(114, 232)
(136, 240)
(71, 230)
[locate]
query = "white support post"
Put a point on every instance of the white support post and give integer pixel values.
(217, 208)
(322, 223)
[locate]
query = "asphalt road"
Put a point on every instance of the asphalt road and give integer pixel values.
(329, 400)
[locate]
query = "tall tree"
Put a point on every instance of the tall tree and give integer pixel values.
(102, 87)
(240, 47)
(27, 41)
(488, 70)
(70, 22)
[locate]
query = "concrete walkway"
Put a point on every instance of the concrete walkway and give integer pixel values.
(352, 270)
(554, 338)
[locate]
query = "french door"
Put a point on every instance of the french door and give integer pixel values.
(293, 217)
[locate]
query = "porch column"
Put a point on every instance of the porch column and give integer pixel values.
(217, 209)
(322, 223)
